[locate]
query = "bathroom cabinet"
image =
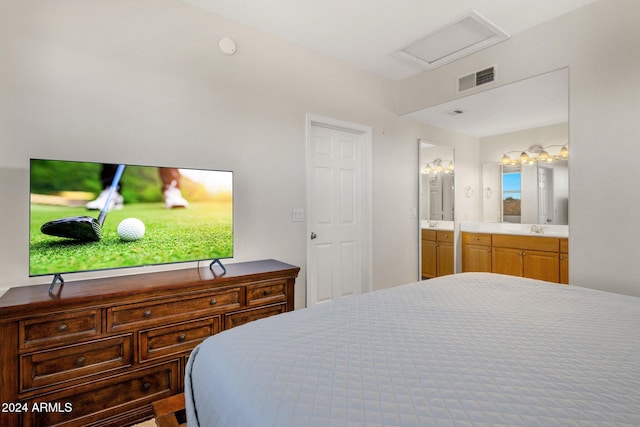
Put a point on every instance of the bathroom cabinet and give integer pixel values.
(437, 253)
(476, 252)
(564, 260)
(535, 257)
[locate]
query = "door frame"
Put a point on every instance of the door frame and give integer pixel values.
(366, 136)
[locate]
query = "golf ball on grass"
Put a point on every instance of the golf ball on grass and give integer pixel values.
(131, 229)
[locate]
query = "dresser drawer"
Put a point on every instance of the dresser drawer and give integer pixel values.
(55, 329)
(246, 316)
(266, 293)
(481, 239)
(82, 405)
(74, 361)
(176, 339)
(171, 309)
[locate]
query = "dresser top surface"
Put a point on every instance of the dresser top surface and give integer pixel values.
(94, 290)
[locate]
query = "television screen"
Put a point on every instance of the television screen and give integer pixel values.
(90, 216)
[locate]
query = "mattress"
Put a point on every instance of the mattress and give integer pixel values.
(471, 349)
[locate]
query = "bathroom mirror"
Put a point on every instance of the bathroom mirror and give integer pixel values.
(437, 184)
(530, 193)
(503, 118)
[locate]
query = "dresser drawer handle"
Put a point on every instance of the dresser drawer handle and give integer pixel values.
(80, 361)
(182, 337)
(214, 301)
(266, 292)
(147, 314)
(63, 327)
(146, 386)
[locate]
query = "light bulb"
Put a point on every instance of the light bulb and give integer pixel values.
(564, 153)
(543, 156)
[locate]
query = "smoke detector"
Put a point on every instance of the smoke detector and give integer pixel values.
(227, 46)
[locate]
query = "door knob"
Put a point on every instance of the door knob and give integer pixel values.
(313, 235)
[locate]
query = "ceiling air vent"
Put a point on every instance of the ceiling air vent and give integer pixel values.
(479, 78)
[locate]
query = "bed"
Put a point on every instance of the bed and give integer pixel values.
(471, 349)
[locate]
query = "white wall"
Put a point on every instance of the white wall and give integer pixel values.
(144, 82)
(599, 43)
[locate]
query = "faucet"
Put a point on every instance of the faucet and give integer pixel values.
(538, 229)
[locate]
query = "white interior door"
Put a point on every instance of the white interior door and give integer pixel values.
(338, 249)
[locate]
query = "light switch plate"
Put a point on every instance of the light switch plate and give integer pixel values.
(298, 215)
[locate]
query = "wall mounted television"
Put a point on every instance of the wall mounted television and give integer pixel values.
(181, 215)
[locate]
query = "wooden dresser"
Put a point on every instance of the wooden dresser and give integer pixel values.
(102, 350)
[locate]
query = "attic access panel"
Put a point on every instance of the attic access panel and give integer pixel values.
(464, 36)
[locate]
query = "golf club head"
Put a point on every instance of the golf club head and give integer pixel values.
(83, 228)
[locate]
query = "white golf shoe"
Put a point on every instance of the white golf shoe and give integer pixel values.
(117, 201)
(173, 197)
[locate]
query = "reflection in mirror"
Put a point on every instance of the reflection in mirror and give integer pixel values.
(437, 212)
(553, 193)
(529, 193)
(437, 183)
(532, 112)
(527, 185)
(511, 194)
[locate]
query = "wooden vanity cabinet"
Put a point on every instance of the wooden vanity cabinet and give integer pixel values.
(444, 241)
(564, 261)
(535, 257)
(101, 351)
(437, 253)
(476, 252)
(429, 254)
(526, 256)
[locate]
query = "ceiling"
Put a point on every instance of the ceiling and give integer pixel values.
(538, 101)
(365, 33)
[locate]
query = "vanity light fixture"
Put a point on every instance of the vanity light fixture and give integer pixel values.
(524, 158)
(437, 167)
(449, 168)
(543, 156)
(534, 154)
(564, 153)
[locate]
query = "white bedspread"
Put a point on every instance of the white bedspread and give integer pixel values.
(472, 349)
